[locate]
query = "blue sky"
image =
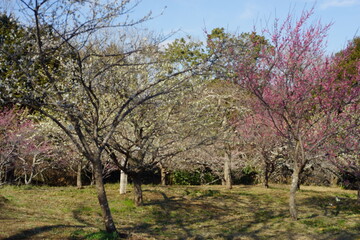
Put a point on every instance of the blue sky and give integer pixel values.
(193, 16)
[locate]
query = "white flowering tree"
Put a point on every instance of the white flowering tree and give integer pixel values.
(72, 74)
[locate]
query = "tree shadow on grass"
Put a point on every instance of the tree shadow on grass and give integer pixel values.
(3, 201)
(77, 215)
(262, 218)
(230, 216)
(172, 212)
(182, 217)
(333, 205)
(332, 218)
(30, 233)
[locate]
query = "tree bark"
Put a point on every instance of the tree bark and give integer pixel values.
(299, 164)
(162, 174)
(123, 182)
(358, 194)
(227, 171)
(79, 175)
(293, 189)
(106, 214)
(266, 177)
(138, 197)
(268, 168)
(334, 181)
(93, 180)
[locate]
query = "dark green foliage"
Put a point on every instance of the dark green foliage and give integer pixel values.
(198, 177)
(185, 178)
(102, 235)
(248, 175)
(22, 72)
(186, 52)
(224, 47)
(11, 51)
(209, 178)
(349, 64)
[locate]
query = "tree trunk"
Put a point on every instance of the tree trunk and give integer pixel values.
(93, 180)
(106, 214)
(138, 198)
(299, 183)
(268, 167)
(123, 182)
(266, 177)
(334, 181)
(293, 189)
(78, 175)
(162, 174)
(358, 194)
(227, 172)
(27, 180)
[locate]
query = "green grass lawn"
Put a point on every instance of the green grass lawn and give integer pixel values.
(179, 212)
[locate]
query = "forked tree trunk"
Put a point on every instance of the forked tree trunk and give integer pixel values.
(27, 180)
(106, 214)
(227, 171)
(123, 182)
(138, 197)
(293, 189)
(79, 175)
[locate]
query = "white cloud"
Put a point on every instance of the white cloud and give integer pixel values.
(339, 3)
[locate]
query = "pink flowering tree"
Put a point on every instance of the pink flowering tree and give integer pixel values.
(24, 154)
(262, 140)
(297, 89)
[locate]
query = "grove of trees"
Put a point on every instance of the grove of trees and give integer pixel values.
(83, 91)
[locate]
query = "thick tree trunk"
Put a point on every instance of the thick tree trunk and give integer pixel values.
(293, 188)
(123, 182)
(106, 214)
(93, 180)
(138, 198)
(162, 174)
(299, 183)
(79, 175)
(227, 172)
(358, 194)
